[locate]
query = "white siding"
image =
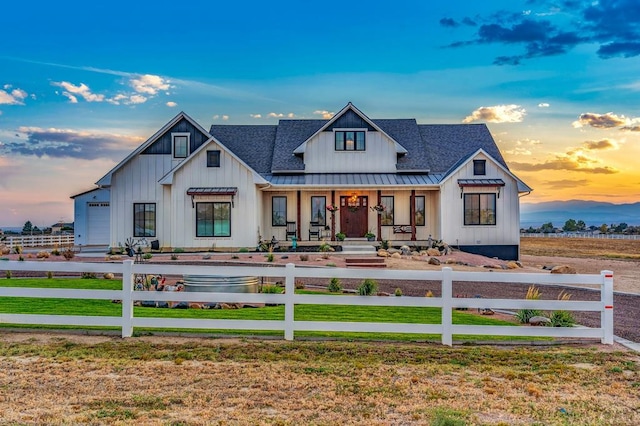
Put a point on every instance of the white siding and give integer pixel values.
(137, 182)
(507, 228)
(231, 173)
(321, 157)
(82, 225)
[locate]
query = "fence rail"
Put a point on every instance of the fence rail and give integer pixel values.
(38, 241)
(578, 235)
(128, 321)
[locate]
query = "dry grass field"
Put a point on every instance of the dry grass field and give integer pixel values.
(581, 247)
(178, 381)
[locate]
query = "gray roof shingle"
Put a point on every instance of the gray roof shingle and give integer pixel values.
(252, 144)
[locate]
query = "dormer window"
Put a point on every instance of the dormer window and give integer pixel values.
(350, 140)
(479, 167)
(180, 142)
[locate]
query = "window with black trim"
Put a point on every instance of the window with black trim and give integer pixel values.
(278, 211)
(213, 219)
(319, 210)
(213, 158)
(386, 218)
(479, 209)
(479, 167)
(144, 219)
(348, 140)
(420, 213)
(180, 142)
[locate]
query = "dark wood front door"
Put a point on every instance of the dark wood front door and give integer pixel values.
(353, 216)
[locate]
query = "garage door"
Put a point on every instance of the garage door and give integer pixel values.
(98, 224)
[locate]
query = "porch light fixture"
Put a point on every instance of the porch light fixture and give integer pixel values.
(353, 199)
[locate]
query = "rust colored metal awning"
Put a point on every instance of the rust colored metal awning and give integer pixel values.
(211, 190)
(481, 182)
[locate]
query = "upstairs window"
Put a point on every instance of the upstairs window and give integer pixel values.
(479, 167)
(213, 158)
(350, 140)
(180, 142)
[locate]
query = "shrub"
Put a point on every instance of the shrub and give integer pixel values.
(335, 286)
(178, 250)
(304, 257)
(299, 285)
(398, 291)
(384, 244)
(7, 274)
(270, 257)
(17, 249)
(524, 315)
(244, 250)
(429, 293)
(235, 257)
(368, 287)
(331, 265)
(42, 255)
(20, 258)
(147, 256)
(271, 289)
(49, 274)
(55, 252)
(68, 253)
(88, 275)
(562, 319)
(174, 257)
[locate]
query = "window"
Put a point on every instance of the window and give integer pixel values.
(319, 210)
(479, 167)
(180, 145)
(144, 219)
(213, 158)
(386, 218)
(213, 219)
(350, 141)
(479, 209)
(420, 213)
(279, 211)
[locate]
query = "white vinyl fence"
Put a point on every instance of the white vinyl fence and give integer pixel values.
(127, 321)
(25, 241)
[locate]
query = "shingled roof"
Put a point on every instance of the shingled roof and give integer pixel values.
(431, 148)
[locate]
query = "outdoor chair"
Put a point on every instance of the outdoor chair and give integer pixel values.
(314, 230)
(291, 230)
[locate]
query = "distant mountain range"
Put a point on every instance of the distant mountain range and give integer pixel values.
(591, 212)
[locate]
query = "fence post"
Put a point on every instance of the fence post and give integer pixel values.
(606, 317)
(289, 295)
(447, 302)
(127, 298)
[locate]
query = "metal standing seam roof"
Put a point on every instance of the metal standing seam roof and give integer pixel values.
(354, 179)
(481, 182)
(212, 191)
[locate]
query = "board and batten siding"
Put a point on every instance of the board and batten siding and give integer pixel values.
(379, 156)
(231, 173)
(506, 231)
(402, 214)
(137, 182)
(82, 204)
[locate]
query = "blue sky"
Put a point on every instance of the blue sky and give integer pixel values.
(81, 85)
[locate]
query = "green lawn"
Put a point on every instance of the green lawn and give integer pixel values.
(337, 313)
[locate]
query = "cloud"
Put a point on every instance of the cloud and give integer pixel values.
(604, 144)
(82, 90)
(137, 99)
(600, 121)
(67, 143)
(221, 117)
(275, 115)
(171, 104)
(256, 115)
(543, 105)
(631, 128)
(563, 164)
(15, 97)
(567, 183)
(497, 114)
(557, 26)
(149, 84)
(324, 114)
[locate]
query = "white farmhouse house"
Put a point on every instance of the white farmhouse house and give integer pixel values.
(91, 217)
(405, 182)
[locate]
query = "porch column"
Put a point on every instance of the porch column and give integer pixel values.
(412, 212)
(379, 216)
(298, 216)
(333, 216)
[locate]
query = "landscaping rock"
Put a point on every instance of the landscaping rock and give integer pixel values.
(396, 255)
(108, 276)
(539, 320)
(513, 265)
(433, 252)
(383, 253)
(405, 250)
(563, 269)
(434, 261)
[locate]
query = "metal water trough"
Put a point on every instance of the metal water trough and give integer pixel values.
(221, 284)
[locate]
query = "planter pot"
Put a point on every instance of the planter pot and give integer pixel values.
(371, 238)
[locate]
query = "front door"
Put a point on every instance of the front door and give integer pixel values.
(353, 216)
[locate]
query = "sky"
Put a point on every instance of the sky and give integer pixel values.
(83, 84)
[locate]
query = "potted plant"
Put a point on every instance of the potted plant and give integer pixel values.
(340, 236)
(370, 236)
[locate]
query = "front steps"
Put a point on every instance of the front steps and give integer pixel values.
(365, 262)
(358, 249)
